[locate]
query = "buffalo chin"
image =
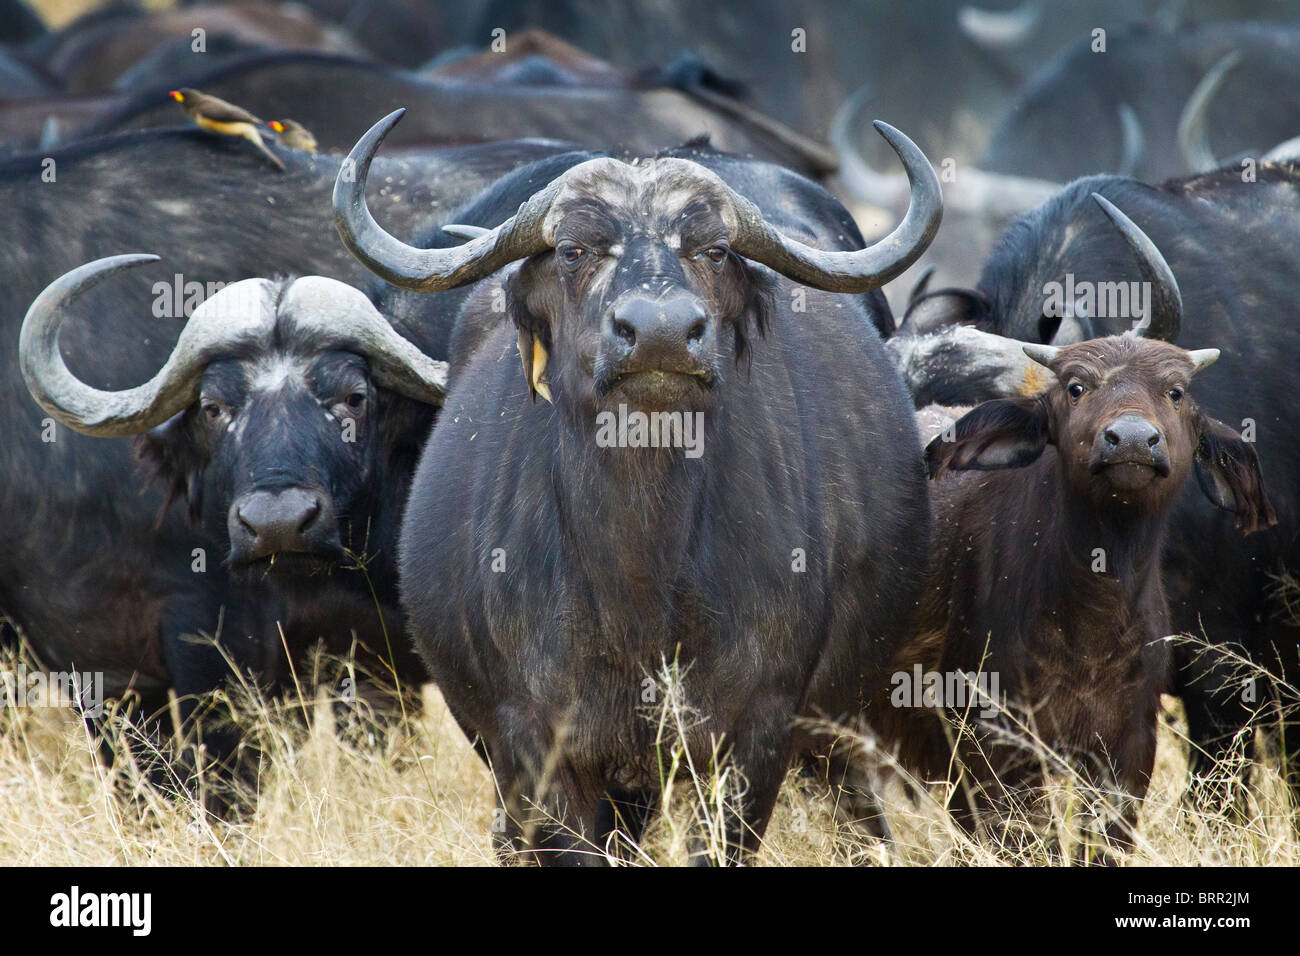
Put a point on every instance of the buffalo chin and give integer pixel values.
(1131, 475)
(657, 390)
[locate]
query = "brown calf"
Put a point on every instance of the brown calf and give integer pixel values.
(1045, 576)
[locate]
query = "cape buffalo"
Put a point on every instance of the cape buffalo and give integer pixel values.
(770, 545)
(1062, 273)
(287, 419)
(1045, 614)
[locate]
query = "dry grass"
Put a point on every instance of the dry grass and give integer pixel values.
(418, 795)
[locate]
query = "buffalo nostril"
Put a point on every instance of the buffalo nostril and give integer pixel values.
(248, 525)
(624, 330)
(696, 332)
(310, 514)
(1153, 440)
(1112, 438)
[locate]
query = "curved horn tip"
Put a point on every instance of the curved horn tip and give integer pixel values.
(53, 387)
(426, 270)
(389, 121)
(920, 174)
(77, 280)
(893, 136)
(921, 284)
(116, 263)
(1193, 133)
(1131, 230)
(463, 231)
(856, 174)
(1165, 317)
(902, 144)
(881, 262)
(375, 136)
(1108, 207)
(1133, 142)
(1042, 354)
(364, 151)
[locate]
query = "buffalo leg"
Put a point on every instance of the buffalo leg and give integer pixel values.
(210, 738)
(550, 815)
(761, 755)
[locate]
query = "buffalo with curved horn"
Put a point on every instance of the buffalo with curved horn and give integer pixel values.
(287, 417)
(745, 547)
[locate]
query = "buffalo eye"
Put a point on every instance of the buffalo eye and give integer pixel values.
(715, 254)
(352, 402)
(213, 410)
(1175, 395)
(1075, 390)
(572, 255)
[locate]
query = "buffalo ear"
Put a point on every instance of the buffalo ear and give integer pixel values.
(757, 313)
(404, 426)
(1003, 433)
(932, 311)
(533, 333)
(171, 453)
(1227, 468)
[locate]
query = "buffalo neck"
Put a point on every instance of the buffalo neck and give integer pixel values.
(1113, 552)
(632, 540)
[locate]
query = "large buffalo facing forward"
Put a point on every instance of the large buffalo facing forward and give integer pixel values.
(768, 540)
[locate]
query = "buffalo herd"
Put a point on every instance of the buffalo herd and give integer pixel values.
(552, 354)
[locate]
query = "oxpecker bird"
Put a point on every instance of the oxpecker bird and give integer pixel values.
(294, 135)
(217, 116)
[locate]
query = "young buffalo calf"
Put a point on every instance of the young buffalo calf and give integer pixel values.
(1045, 576)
